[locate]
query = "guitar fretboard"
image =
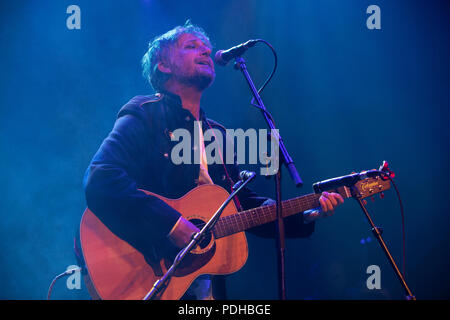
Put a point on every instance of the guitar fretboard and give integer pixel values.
(247, 219)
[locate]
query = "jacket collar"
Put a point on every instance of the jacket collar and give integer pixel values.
(173, 101)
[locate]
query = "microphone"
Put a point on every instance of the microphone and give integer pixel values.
(246, 175)
(344, 181)
(243, 177)
(222, 57)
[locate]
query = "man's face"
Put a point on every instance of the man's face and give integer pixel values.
(190, 63)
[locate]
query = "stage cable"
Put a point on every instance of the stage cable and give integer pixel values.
(403, 225)
(59, 276)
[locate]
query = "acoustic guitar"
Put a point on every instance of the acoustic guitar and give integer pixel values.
(116, 270)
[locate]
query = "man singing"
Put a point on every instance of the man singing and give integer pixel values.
(137, 155)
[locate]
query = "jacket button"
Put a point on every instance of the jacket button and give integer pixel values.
(188, 118)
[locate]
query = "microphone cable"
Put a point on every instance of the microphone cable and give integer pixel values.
(403, 223)
(59, 276)
(252, 102)
(388, 176)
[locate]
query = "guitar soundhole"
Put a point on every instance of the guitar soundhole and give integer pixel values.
(206, 239)
(199, 256)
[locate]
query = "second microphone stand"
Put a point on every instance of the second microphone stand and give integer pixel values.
(161, 284)
(377, 233)
(288, 162)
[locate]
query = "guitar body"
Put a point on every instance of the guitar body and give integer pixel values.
(117, 271)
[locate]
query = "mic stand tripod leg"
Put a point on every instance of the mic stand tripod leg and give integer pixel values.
(377, 233)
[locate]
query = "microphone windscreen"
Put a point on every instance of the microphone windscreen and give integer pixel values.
(218, 58)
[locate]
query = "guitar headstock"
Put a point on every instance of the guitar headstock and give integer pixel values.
(370, 186)
(359, 185)
(365, 188)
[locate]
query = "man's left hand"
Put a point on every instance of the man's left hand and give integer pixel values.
(328, 202)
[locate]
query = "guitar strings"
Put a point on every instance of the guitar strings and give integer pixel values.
(242, 219)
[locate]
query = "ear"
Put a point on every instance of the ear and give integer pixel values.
(164, 68)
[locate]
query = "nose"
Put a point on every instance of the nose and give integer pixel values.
(206, 51)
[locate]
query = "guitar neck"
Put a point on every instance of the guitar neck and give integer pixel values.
(247, 219)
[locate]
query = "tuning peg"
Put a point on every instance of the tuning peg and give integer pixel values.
(385, 168)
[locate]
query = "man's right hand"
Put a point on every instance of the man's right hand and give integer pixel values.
(182, 232)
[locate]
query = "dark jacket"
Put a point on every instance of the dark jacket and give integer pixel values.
(136, 155)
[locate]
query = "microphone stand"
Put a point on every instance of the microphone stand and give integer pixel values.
(280, 239)
(377, 233)
(161, 284)
(288, 162)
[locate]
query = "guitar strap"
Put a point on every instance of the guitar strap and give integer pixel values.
(235, 199)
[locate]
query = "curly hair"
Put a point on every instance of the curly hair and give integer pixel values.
(158, 49)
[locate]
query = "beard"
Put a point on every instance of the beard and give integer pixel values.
(199, 79)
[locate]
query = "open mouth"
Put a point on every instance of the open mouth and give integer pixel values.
(204, 63)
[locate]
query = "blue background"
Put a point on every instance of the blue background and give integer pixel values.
(345, 97)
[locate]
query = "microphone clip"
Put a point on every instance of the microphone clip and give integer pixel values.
(243, 177)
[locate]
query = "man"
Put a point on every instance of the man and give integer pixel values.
(136, 155)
